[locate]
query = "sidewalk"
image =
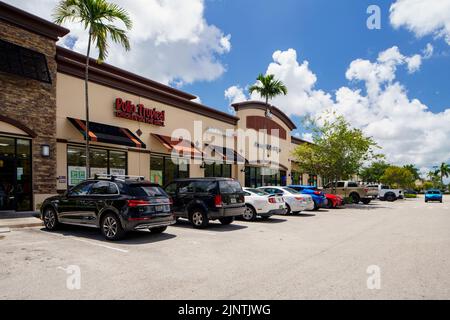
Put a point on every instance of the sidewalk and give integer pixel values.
(11, 220)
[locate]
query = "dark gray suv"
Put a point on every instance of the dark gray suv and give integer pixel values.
(203, 199)
(115, 205)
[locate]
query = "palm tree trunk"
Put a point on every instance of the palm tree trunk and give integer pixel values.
(86, 91)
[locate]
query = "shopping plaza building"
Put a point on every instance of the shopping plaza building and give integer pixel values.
(137, 126)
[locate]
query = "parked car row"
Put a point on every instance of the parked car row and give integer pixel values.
(118, 204)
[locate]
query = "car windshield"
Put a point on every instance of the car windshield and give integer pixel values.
(290, 190)
(433, 192)
(147, 190)
(230, 186)
(257, 192)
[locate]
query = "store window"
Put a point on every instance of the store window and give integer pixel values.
(165, 169)
(218, 170)
(297, 178)
(312, 180)
(102, 161)
(257, 177)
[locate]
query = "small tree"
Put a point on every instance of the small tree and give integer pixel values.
(444, 171)
(414, 171)
(374, 172)
(398, 177)
(337, 152)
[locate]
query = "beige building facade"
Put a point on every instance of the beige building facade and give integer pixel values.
(137, 127)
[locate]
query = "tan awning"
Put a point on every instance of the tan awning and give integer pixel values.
(181, 146)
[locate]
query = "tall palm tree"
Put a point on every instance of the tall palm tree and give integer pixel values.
(98, 17)
(268, 87)
(444, 171)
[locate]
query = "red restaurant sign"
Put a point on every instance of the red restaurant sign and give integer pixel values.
(127, 110)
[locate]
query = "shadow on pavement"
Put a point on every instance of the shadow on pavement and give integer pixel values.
(131, 238)
(213, 226)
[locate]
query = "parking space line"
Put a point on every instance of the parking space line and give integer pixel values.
(88, 242)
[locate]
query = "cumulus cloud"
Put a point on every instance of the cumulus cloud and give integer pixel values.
(235, 94)
(374, 101)
(431, 17)
(171, 41)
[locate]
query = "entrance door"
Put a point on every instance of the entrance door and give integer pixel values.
(15, 174)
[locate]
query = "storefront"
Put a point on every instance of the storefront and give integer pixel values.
(137, 126)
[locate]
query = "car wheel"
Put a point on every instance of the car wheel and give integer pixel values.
(111, 227)
(158, 230)
(288, 210)
(50, 219)
(390, 198)
(366, 201)
(226, 220)
(249, 213)
(316, 206)
(199, 219)
(355, 198)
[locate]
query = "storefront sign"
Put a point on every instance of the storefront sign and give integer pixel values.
(127, 110)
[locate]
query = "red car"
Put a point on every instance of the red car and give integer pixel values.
(334, 201)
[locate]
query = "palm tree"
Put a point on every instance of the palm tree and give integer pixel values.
(444, 171)
(268, 87)
(98, 17)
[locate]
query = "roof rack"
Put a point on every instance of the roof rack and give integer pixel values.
(119, 177)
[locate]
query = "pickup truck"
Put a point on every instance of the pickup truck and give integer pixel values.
(350, 189)
(386, 193)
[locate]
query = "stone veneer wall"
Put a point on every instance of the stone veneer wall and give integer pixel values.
(33, 103)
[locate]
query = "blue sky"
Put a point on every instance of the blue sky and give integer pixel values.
(329, 34)
(381, 81)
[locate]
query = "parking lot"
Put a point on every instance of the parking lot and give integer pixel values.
(323, 255)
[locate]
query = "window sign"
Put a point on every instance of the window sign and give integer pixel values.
(76, 175)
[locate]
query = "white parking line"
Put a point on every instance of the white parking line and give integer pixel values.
(86, 241)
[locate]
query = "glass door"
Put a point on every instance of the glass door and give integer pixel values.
(15, 174)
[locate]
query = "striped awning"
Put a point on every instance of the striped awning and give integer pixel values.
(108, 134)
(183, 147)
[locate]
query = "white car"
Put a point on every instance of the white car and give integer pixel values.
(261, 203)
(295, 201)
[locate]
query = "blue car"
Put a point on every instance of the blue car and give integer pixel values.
(320, 201)
(433, 195)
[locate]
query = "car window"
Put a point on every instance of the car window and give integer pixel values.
(385, 187)
(104, 188)
(247, 194)
(290, 190)
(147, 190)
(352, 185)
(186, 187)
(171, 188)
(230, 186)
(82, 189)
(340, 184)
(205, 186)
(258, 192)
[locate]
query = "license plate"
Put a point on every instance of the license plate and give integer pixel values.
(233, 200)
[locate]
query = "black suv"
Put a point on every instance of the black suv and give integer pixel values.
(113, 204)
(204, 199)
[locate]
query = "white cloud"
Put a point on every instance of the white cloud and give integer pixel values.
(428, 51)
(431, 17)
(235, 94)
(171, 41)
(406, 129)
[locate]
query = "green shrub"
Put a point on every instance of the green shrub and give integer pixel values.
(410, 196)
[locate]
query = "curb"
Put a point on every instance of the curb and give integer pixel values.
(26, 225)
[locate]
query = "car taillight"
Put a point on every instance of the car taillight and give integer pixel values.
(300, 198)
(317, 193)
(242, 198)
(137, 203)
(366, 190)
(218, 201)
(272, 200)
